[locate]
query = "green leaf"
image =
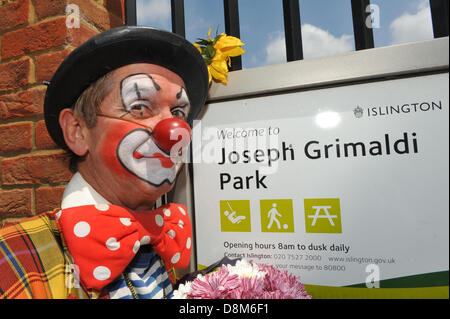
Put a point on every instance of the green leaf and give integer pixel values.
(203, 42)
(211, 50)
(207, 60)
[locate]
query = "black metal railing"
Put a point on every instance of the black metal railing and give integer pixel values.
(363, 33)
(130, 12)
(231, 15)
(292, 30)
(439, 14)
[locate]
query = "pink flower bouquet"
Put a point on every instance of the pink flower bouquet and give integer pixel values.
(243, 280)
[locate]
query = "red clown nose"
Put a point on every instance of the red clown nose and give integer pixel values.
(169, 132)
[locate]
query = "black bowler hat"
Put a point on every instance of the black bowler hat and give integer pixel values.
(118, 47)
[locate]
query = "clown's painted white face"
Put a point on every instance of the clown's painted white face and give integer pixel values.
(137, 151)
(124, 162)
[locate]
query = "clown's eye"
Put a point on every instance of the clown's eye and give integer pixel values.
(179, 111)
(140, 109)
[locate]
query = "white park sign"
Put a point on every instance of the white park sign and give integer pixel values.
(343, 186)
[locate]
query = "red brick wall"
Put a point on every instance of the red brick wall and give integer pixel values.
(35, 36)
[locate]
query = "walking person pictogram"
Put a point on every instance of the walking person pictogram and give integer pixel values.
(277, 215)
(272, 214)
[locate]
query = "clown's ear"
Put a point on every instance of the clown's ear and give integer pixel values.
(74, 132)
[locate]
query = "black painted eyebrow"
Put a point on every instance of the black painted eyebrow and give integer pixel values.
(182, 106)
(137, 91)
(156, 85)
(180, 93)
(136, 87)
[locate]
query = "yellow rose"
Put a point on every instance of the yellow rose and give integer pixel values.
(218, 68)
(217, 52)
(229, 46)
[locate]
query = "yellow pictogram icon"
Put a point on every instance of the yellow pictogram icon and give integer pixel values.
(323, 215)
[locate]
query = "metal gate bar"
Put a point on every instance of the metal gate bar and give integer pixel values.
(439, 15)
(130, 12)
(292, 30)
(178, 24)
(231, 15)
(363, 34)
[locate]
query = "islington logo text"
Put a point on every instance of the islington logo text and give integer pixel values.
(398, 109)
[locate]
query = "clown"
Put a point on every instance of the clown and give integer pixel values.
(121, 104)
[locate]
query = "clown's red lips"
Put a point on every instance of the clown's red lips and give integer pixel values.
(163, 134)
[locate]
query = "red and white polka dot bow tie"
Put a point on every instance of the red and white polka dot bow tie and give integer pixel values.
(103, 239)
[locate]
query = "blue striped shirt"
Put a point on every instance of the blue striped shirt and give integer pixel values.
(147, 275)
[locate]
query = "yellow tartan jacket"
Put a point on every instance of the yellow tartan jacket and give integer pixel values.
(35, 262)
